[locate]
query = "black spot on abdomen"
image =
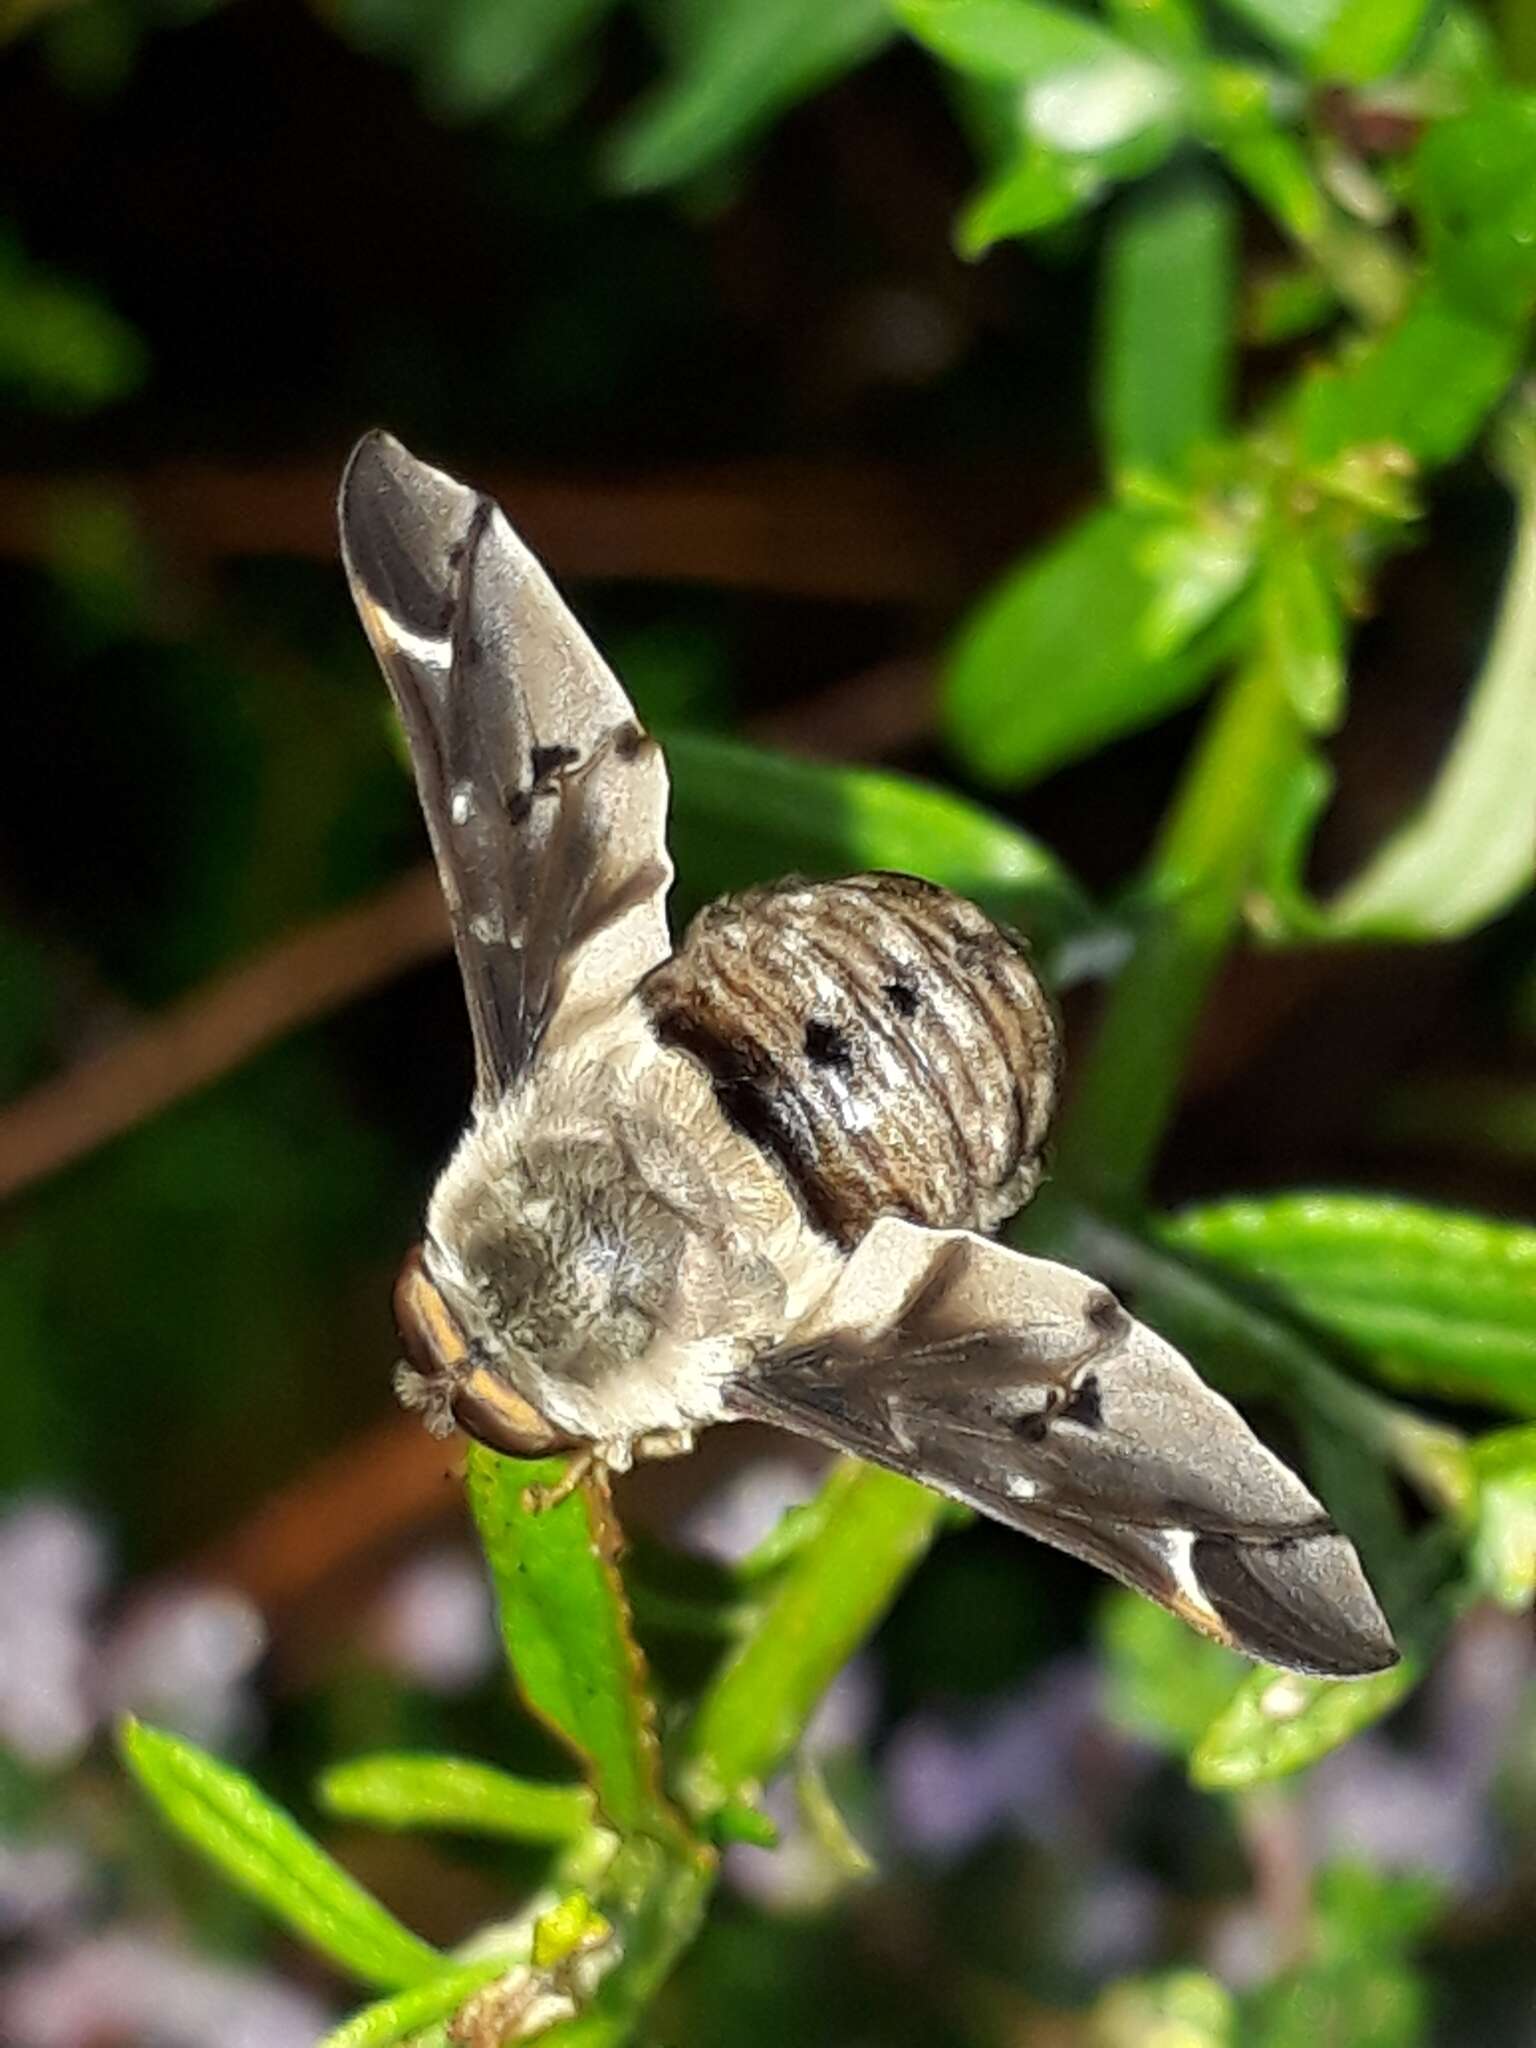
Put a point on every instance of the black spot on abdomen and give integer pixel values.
(879, 1037)
(826, 1046)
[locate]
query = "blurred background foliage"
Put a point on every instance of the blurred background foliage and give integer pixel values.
(961, 389)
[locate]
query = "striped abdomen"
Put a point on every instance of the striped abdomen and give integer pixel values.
(879, 1037)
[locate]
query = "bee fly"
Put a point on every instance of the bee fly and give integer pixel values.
(752, 1177)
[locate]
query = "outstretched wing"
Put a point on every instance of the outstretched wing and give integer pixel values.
(1025, 1390)
(545, 802)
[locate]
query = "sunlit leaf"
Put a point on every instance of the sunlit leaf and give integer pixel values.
(267, 1855)
(1165, 345)
(1039, 189)
(814, 1614)
(1080, 129)
(1180, 2009)
(1013, 40)
(403, 1790)
(744, 62)
(1163, 1682)
(1470, 849)
(404, 2015)
(1172, 29)
(1063, 654)
(1296, 27)
(565, 1625)
(1441, 1301)
(1366, 39)
(1280, 1721)
(1504, 1529)
(1300, 618)
(745, 814)
(1351, 41)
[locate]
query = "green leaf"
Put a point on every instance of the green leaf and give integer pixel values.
(1366, 39)
(1014, 41)
(1425, 385)
(1350, 41)
(62, 348)
(402, 1790)
(1163, 1682)
(1243, 119)
(1470, 849)
(1041, 188)
(268, 1856)
(1173, 30)
(1165, 347)
(1356, 1988)
(484, 52)
(1280, 1721)
(814, 1615)
(743, 814)
(1304, 633)
(1066, 652)
(1504, 1517)
(1474, 184)
(1443, 1302)
(744, 62)
(1180, 2009)
(565, 1625)
(1080, 126)
(395, 2019)
(1294, 27)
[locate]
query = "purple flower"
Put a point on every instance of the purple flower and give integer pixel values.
(1045, 1763)
(433, 1623)
(52, 1568)
(733, 1518)
(182, 1657)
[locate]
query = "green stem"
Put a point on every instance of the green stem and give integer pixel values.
(1201, 871)
(828, 1599)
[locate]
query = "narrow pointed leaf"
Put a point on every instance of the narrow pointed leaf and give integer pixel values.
(269, 1857)
(1012, 41)
(1442, 1302)
(1504, 1527)
(402, 1790)
(1089, 638)
(745, 814)
(1165, 350)
(395, 2019)
(814, 1616)
(744, 61)
(1471, 849)
(565, 1625)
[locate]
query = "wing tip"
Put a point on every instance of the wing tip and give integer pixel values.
(1302, 1602)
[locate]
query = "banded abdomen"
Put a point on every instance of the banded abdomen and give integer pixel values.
(880, 1038)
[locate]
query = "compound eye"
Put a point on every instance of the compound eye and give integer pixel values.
(433, 1342)
(486, 1408)
(480, 1401)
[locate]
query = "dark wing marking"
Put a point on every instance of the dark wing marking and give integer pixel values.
(545, 802)
(1025, 1390)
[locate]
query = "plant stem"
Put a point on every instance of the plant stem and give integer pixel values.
(1200, 873)
(828, 1599)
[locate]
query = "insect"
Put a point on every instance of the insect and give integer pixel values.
(752, 1177)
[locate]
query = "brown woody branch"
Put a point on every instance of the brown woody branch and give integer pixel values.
(219, 1025)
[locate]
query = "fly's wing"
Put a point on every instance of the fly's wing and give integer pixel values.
(1025, 1390)
(545, 802)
